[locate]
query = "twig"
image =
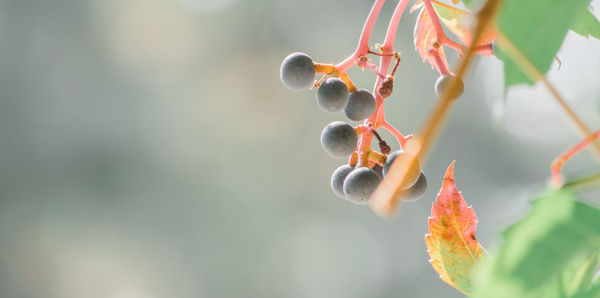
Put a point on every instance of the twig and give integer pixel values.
(560, 160)
(438, 61)
(586, 182)
(363, 42)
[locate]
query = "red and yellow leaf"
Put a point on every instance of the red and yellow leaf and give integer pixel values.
(425, 36)
(416, 6)
(457, 20)
(451, 242)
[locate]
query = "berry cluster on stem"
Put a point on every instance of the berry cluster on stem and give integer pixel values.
(361, 104)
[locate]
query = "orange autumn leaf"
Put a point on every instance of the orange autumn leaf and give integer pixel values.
(425, 36)
(451, 242)
(416, 6)
(457, 20)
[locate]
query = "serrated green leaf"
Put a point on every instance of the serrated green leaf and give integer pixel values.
(587, 25)
(537, 28)
(539, 247)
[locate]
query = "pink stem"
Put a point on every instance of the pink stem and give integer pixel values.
(451, 43)
(364, 145)
(485, 49)
(393, 26)
(399, 136)
(445, 40)
(380, 115)
(560, 160)
(439, 31)
(387, 49)
(372, 67)
(363, 42)
(441, 66)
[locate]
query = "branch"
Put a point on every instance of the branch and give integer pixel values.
(584, 183)
(398, 135)
(387, 50)
(438, 61)
(363, 42)
(560, 160)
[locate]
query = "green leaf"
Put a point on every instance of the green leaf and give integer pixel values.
(593, 292)
(577, 276)
(587, 25)
(538, 248)
(537, 28)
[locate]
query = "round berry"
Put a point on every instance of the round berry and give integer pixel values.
(360, 184)
(297, 71)
(332, 95)
(361, 104)
(445, 81)
(337, 180)
(414, 169)
(378, 169)
(339, 139)
(417, 190)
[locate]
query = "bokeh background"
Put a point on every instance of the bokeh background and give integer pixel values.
(148, 149)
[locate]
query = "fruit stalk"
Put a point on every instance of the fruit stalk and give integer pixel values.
(387, 50)
(560, 160)
(363, 42)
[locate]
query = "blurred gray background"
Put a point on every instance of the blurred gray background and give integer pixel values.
(148, 149)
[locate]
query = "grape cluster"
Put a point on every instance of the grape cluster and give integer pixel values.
(357, 184)
(355, 181)
(298, 73)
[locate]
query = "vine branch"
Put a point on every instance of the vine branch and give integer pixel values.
(363, 42)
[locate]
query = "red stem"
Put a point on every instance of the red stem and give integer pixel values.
(453, 44)
(387, 50)
(363, 42)
(439, 31)
(399, 136)
(378, 117)
(441, 66)
(560, 160)
(484, 49)
(445, 40)
(372, 67)
(386, 56)
(364, 146)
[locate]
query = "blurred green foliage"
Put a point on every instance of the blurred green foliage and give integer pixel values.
(587, 25)
(537, 28)
(541, 253)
